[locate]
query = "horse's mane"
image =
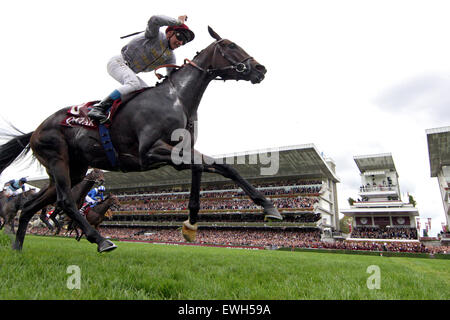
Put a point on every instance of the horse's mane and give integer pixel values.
(165, 79)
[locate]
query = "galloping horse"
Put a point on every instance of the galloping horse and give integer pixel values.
(10, 206)
(79, 193)
(141, 133)
(97, 214)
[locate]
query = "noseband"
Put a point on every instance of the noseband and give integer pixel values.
(239, 67)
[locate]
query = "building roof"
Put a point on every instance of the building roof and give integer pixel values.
(372, 164)
(438, 148)
(302, 161)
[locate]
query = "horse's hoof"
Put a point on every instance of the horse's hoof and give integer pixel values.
(189, 231)
(106, 246)
(272, 214)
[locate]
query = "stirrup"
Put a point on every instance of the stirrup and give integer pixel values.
(98, 114)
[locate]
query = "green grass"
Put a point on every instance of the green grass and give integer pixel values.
(152, 271)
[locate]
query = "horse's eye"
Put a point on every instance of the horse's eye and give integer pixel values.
(232, 46)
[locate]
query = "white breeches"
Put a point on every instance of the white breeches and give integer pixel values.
(10, 191)
(90, 200)
(118, 69)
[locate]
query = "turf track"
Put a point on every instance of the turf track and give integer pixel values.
(152, 271)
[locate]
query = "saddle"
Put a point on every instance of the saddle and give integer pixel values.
(78, 115)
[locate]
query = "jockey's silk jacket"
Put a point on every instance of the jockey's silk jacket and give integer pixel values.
(148, 51)
(14, 185)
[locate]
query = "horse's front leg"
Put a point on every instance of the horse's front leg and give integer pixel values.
(13, 225)
(161, 153)
(189, 229)
(270, 212)
(44, 219)
(53, 217)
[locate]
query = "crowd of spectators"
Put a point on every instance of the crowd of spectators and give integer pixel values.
(302, 184)
(308, 238)
(218, 204)
(384, 233)
(285, 194)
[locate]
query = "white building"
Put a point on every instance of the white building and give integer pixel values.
(379, 204)
(439, 153)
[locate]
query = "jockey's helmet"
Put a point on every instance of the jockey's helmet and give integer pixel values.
(101, 188)
(182, 32)
(23, 180)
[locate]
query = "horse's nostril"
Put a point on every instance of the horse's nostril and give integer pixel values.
(260, 68)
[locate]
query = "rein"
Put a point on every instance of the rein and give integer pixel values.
(239, 67)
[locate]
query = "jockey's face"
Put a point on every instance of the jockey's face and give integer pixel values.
(173, 41)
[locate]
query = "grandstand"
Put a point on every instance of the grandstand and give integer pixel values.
(303, 188)
(379, 213)
(439, 155)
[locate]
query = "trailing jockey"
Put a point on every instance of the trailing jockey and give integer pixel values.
(12, 187)
(144, 53)
(93, 197)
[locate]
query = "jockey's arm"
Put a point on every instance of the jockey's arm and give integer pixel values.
(157, 22)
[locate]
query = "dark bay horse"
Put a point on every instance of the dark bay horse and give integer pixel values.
(141, 132)
(97, 214)
(79, 193)
(10, 206)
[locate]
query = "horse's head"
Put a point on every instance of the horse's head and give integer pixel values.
(230, 62)
(96, 175)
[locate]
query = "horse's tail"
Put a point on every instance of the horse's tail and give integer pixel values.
(10, 151)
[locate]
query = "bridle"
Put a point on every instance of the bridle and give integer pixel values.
(238, 66)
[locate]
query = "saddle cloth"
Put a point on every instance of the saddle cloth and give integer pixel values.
(86, 209)
(77, 115)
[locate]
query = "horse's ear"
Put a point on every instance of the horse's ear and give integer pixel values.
(214, 34)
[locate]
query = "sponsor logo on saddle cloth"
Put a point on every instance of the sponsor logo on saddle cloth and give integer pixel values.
(77, 115)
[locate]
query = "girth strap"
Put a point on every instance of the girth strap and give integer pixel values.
(105, 138)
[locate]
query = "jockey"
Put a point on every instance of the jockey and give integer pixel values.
(93, 197)
(11, 188)
(143, 54)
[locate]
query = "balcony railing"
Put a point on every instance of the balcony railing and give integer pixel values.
(377, 188)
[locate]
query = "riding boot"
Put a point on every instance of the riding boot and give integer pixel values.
(83, 208)
(99, 110)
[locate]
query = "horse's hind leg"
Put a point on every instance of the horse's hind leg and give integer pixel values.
(60, 173)
(43, 198)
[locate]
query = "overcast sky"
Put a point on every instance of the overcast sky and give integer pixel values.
(351, 77)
